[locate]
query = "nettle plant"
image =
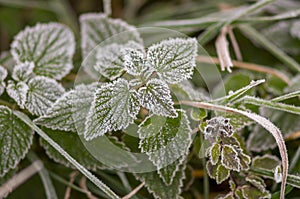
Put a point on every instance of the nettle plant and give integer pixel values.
(147, 87)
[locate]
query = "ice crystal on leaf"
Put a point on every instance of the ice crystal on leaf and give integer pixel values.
(156, 97)
(3, 74)
(173, 59)
(18, 91)
(15, 140)
(96, 28)
(115, 106)
(69, 112)
(49, 46)
(42, 93)
(165, 140)
(110, 59)
(23, 71)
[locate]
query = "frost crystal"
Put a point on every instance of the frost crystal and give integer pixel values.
(156, 97)
(173, 59)
(23, 71)
(165, 140)
(96, 28)
(16, 138)
(3, 74)
(50, 46)
(110, 59)
(69, 112)
(115, 106)
(17, 91)
(42, 93)
(218, 126)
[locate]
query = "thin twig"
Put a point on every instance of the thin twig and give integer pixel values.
(235, 44)
(20, 178)
(71, 181)
(82, 184)
(195, 130)
(198, 173)
(223, 50)
(293, 136)
(249, 66)
(133, 192)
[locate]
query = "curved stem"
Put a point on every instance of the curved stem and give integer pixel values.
(260, 120)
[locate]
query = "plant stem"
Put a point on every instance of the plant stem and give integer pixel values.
(249, 66)
(46, 180)
(252, 34)
(133, 192)
(78, 166)
(260, 120)
(20, 178)
(107, 7)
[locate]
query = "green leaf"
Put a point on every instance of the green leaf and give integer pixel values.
(110, 59)
(229, 158)
(250, 192)
(214, 153)
(173, 59)
(15, 140)
(156, 97)
(3, 74)
(198, 114)
(165, 140)
(72, 145)
(222, 174)
(237, 122)
(42, 93)
(18, 92)
(114, 107)
(266, 162)
(50, 46)
(157, 186)
(96, 28)
(69, 112)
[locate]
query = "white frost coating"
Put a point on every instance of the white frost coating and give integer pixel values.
(18, 92)
(3, 74)
(50, 46)
(23, 71)
(69, 112)
(278, 174)
(165, 141)
(97, 27)
(156, 97)
(114, 107)
(42, 93)
(173, 59)
(110, 59)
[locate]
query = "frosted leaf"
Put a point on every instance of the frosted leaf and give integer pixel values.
(267, 162)
(110, 59)
(156, 97)
(15, 140)
(50, 46)
(96, 28)
(165, 140)
(114, 107)
(278, 174)
(217, 172)
(69, 112)
(135, 63)
(218, 126)
(18, 92)
(73, 145)
(42, 93)
(3, 74)
(158, 188)
(229, 158)
(173, 59)
(23, 71)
